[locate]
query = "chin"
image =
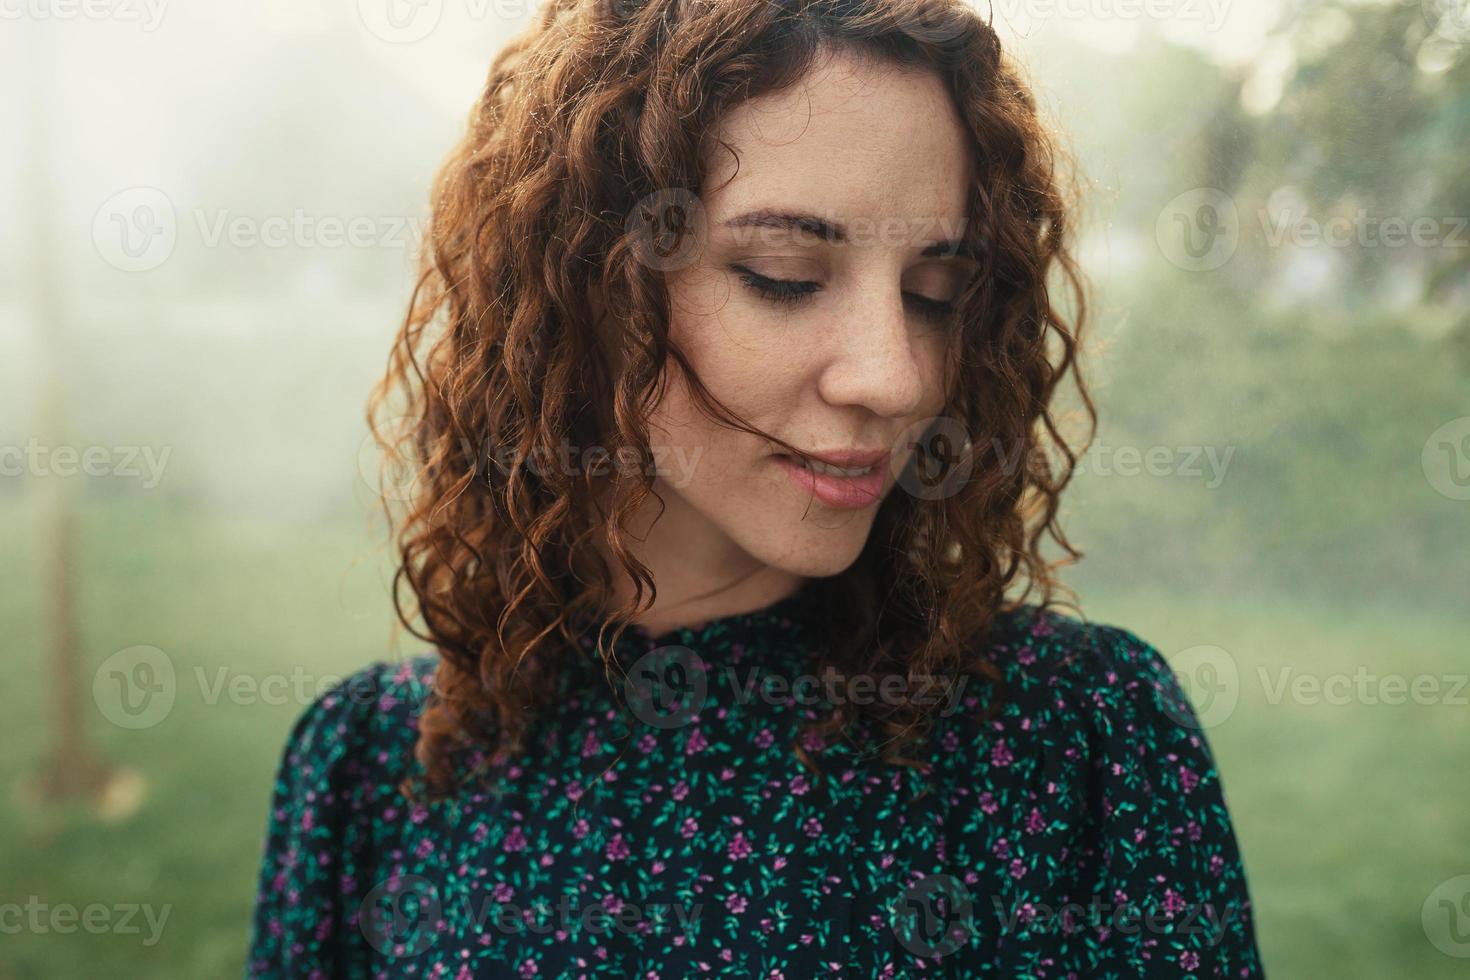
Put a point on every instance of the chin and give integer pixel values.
(815, 551)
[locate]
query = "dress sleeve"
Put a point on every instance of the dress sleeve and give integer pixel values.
(1172, 883)
(305, 896)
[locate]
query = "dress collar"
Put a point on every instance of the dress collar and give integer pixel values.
(782, 631)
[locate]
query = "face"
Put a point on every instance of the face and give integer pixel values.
(829, 334)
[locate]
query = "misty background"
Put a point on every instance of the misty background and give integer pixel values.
(212, 211)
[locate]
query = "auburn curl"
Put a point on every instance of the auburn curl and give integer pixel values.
(502, 358)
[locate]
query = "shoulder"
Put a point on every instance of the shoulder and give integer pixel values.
(1051, 659)
(335, 792)
(364, 725)
(1096, 765)
(1098, 709)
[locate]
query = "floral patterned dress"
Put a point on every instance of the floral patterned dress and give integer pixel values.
(1080, 832)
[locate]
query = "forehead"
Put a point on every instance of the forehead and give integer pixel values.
(851, 141)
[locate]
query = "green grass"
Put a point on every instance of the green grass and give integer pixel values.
(1348, 815)
(258, 600)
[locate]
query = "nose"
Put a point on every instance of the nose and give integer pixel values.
(877, 358)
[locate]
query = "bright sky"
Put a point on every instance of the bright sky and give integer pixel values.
(448, 63)
(1229, 30)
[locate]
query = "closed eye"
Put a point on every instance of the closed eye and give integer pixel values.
(778, 290)
(791, 291)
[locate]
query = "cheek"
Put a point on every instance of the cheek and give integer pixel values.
(744, 359)
(931, 353)
(710, 457)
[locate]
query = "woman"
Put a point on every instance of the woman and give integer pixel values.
(729, 383)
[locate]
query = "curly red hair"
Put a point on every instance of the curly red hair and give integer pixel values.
(596, 106)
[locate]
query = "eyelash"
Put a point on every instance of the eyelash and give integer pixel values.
(789, 291)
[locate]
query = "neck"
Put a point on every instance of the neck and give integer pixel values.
(693, 607)
(699, 572)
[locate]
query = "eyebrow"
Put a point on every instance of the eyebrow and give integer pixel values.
(831, 232)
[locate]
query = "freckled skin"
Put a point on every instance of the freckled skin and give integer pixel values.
(884, 153)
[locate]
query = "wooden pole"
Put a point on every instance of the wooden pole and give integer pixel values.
(73, 769)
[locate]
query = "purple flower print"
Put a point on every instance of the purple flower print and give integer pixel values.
(1188, 779)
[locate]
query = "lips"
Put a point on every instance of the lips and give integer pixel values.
(840, 490)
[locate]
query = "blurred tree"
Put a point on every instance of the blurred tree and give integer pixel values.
(1370, 127)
